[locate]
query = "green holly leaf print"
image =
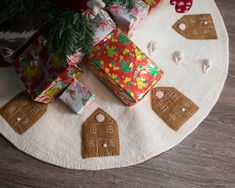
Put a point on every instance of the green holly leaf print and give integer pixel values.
(84, 101)
(113, 63)
(100, 52)
(153, 70)
(133, 17)
(141, 66)
(144, 6)
(111, 50)
(124, 39)
(127, 66)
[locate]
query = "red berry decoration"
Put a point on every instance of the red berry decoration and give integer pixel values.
(182, 6)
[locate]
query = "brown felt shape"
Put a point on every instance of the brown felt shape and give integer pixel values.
(196, 27)
(100, 136)
(22, 112)
(172, 106)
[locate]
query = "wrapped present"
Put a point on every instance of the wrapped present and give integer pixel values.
(77, 97)
(124, 67)
(128, 20)
(44, 76)
(103, 25)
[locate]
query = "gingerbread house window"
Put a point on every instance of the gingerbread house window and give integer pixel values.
(174, 96)
(23, 101)
(12, 109)
(174, 117)
(192, 20)
(35, 110)
(206, 31)
(110, 129)
(163, 106)
(202, 18)
(194, 31)
(93, 130)
(25, 121)
(91, 143)
(112, 143)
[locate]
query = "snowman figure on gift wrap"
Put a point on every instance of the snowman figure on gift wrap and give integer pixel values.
(90, 8)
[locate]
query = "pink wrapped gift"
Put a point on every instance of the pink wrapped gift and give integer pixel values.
(128, 20)
(44, 77)
(104, 26)
(77, 97)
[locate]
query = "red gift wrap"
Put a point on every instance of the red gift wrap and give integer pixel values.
(44, 76)
(124, 68)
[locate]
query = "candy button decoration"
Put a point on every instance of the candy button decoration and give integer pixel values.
(100, 118)
(182, 26)
(105, 145)
(183, 109)
(159, 94)
(182, 6)
(18, 119)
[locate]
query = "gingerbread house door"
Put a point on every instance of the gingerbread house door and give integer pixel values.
(102, 147)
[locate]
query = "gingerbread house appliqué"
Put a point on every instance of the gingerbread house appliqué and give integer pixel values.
(172, 106)
(22, 112)
(196, 27)
(100, 136)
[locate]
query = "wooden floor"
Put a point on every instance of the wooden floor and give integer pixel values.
(205, 159)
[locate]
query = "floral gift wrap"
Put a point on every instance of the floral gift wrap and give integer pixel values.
(124, 68)
(77, 97)
(128, 20)
(44, 77)
(104, 25)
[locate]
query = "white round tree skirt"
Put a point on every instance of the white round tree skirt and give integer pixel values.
(56, 137)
